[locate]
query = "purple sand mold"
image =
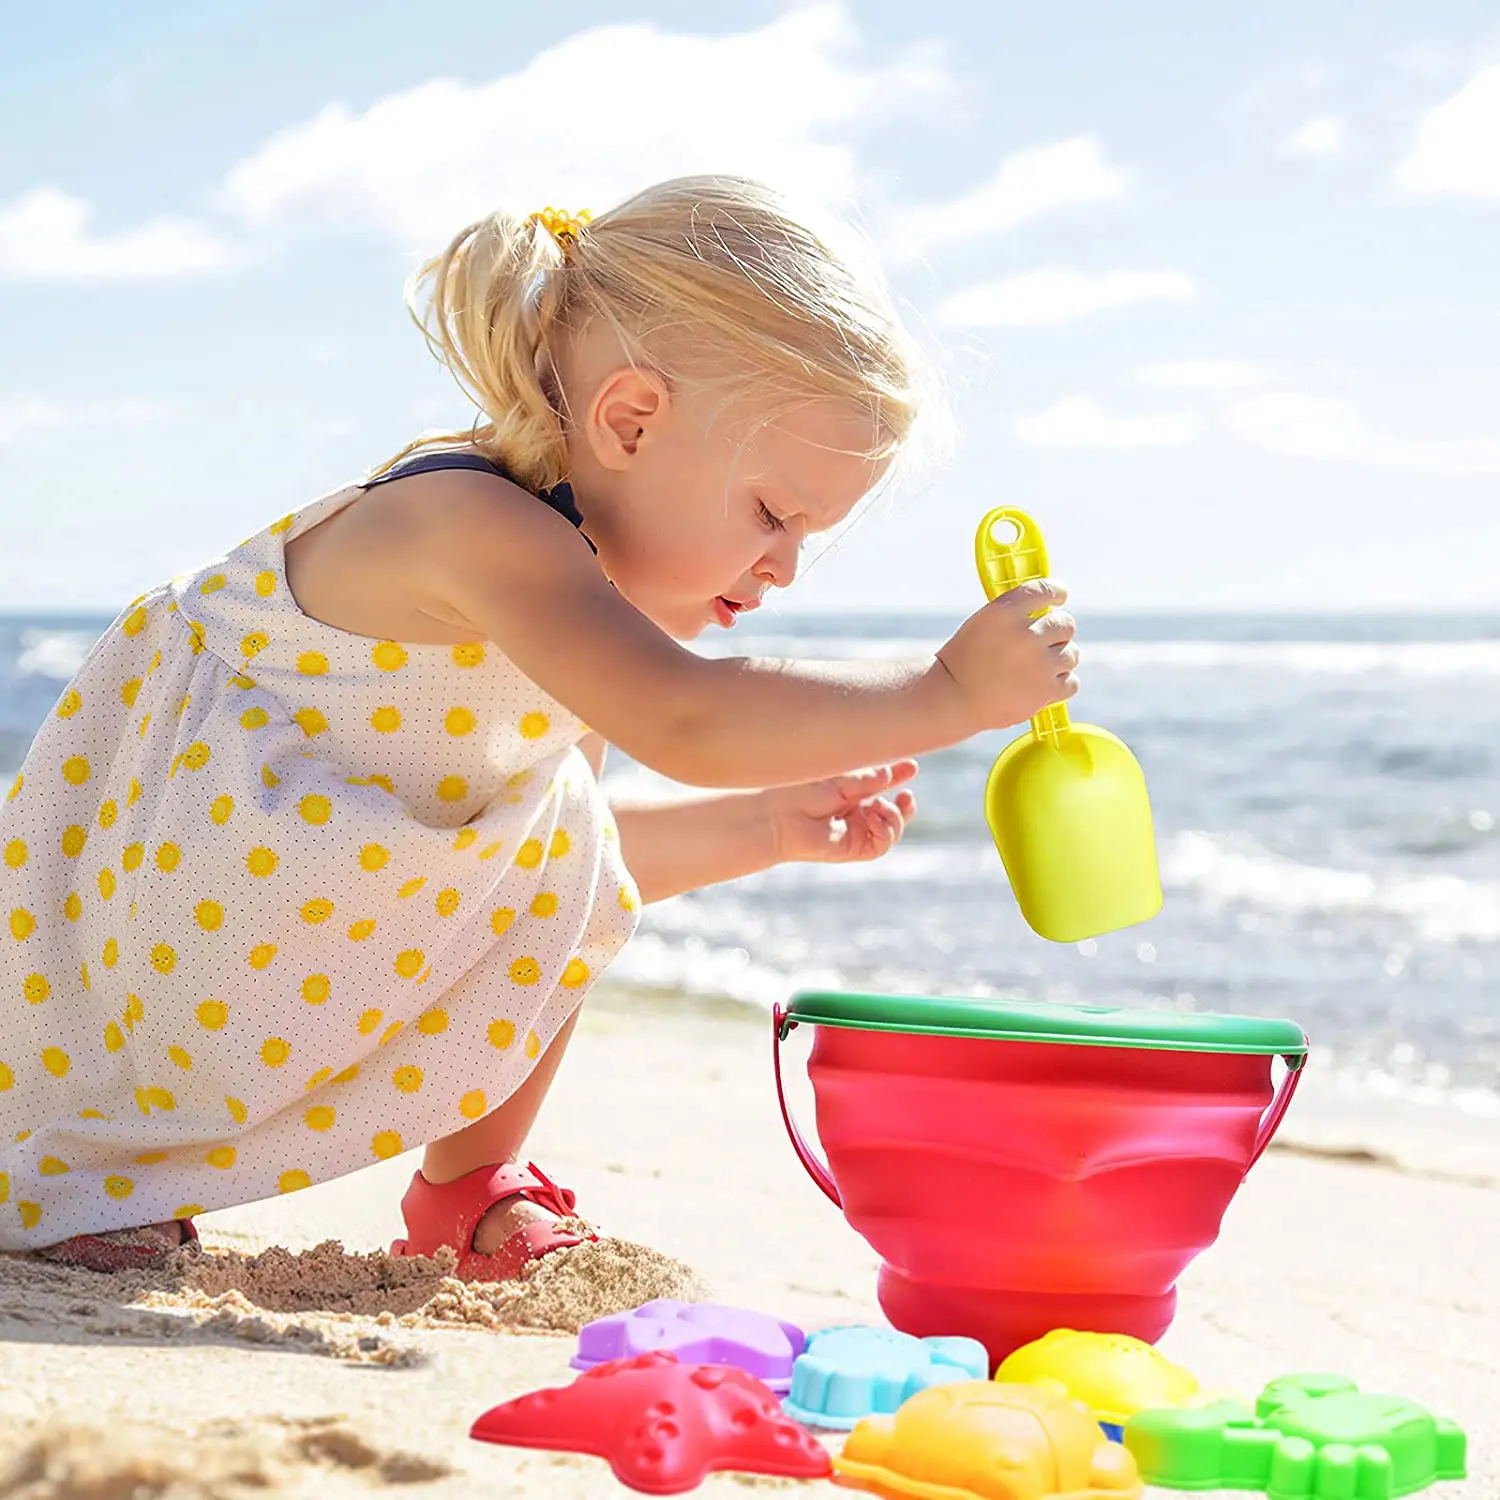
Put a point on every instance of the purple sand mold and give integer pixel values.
(704, 1333)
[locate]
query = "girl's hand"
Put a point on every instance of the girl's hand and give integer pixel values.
(1014, 657)
(841, 818)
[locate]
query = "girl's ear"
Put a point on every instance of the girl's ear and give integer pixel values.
(629, 407)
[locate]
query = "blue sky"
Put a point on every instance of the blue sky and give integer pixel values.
(1214, 288)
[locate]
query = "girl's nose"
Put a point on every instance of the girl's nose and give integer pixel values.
(779, 567)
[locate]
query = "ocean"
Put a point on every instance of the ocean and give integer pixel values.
(1326, 793)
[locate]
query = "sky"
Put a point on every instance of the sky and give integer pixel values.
(1214, 291)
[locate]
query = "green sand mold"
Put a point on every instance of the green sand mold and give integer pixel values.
(1310, 1437)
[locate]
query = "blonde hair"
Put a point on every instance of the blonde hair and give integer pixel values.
(711, 280)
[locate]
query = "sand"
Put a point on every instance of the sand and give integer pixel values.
(294, 1357)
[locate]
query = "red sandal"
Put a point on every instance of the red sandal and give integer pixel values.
(448, 1213)
(141, 1249)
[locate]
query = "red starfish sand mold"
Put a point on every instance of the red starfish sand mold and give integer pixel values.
(662, 1425)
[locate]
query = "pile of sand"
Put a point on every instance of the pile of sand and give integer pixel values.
(228, 1460)
(330, 1301)
(563, 1291)
(324, 1301)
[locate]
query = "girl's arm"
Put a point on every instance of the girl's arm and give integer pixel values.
(681, 846)
(482, 553)
(670, 848)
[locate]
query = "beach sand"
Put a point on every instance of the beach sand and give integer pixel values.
(664, 1119)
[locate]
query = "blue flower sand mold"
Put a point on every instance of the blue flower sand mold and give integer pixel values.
(851, 1373)
(1310, 1437)
(706, 1333)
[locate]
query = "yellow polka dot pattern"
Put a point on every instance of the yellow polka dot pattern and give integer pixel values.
(304, 898)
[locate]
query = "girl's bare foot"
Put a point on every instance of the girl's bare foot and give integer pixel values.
(142, 1249)
(503, 1219)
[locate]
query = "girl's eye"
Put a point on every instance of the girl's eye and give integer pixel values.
(774, 522)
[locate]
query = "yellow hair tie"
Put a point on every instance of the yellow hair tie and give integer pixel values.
(564, 227)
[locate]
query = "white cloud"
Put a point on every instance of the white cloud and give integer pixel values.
(45, 235)
(782, 103)
(20, 415)
(1201, 375)
(1322, 136)
(1457, 149)
(129, 410)
(1301, 425)
(1043, 298)
(1027, 185)
(1080, 422)
(586, 122)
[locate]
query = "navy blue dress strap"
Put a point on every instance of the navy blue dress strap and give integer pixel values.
(559, 497)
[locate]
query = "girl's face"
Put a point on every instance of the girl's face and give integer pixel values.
(695, 522)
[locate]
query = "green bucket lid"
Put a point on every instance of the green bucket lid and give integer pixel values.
(1024, 1021)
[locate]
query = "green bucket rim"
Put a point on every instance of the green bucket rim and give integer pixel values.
(1029, 1021)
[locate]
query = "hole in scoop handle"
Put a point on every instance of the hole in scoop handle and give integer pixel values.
(1271, 1121)
(815, 1169)
(1009, 551)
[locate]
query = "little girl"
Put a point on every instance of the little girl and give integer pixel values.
(311, 866)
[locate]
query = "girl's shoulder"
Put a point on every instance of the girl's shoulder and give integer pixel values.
(559, 497)
(243, 607)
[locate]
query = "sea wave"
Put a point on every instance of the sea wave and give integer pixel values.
(1444, 659)
(697, 969)
(59, 652)
(1233, 870)
(1437, 658)
(53, 653)
(694, 966)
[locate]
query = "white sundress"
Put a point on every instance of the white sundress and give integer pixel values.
(278, 901)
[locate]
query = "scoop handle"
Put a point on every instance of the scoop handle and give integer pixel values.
(1014, 556)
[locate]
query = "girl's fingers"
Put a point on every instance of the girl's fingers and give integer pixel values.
(873, 825)
(869, 781)
(1056, 626)
(889, 823)
(855, 786)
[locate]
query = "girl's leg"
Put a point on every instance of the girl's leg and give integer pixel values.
(498, 1137)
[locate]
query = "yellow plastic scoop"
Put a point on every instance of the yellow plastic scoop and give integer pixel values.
(1067, 802)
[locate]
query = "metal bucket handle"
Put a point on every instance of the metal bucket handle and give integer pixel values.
(1295, 1062)
(815, 1169)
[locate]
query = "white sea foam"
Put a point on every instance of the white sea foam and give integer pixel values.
(53, 653)
(1443, 659)
(696, 967)
(1440, 907)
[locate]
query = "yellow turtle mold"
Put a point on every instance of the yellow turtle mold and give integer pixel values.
(978, 1440)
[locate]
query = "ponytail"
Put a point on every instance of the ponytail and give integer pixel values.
(717, 281)
(490, 302)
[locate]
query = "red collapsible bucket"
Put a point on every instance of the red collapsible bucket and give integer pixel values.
(1020, 1168)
